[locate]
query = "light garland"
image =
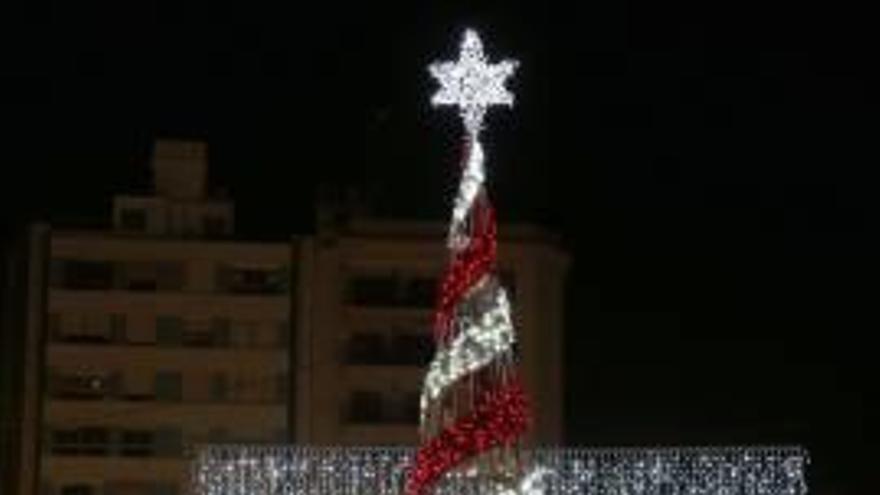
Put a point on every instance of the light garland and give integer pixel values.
(532, 483)
(467, 268)
(473, 348)
(499, 418)
(289, 470)
(471, 182)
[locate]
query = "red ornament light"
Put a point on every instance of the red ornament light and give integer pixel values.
(500, 418)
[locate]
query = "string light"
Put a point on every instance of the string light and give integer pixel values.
(290, 470)
(500, 417)
(481, 342)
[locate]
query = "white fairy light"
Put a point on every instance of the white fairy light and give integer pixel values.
(472, 179)
(290, 470)
(534, 482)
(478, 343)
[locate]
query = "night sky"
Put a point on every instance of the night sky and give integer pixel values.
(709, 168)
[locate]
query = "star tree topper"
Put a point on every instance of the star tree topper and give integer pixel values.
(471, 83)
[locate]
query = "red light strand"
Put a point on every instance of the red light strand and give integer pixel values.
(500, 418)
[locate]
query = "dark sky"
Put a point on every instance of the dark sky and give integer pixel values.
(710, 168)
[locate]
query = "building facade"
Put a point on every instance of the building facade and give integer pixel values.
(22, 352)
(129, 347)
(149, 338)
(363, 348)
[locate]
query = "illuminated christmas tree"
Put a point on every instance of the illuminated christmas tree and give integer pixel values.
(474, 412)
(473, 405)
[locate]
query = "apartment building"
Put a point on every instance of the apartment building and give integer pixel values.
(152, 337)
(362, 349)
(125, 348)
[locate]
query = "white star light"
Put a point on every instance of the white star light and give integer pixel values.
(471, 83)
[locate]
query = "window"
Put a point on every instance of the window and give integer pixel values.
(136, 443)
(78, 489)
(84, 385)
(139, 488)
(87, 441)
(170, 275)
(169, 331)
(164, 489)
(219, 386)
(169, 386)
(420, 292)
(89, 328)
(372, 290)
(366, 349)
(413, 349)
(252, 280)
(365, 407)
(220, 331)
(410, 408)
(391, 291)
(64, 442)
(140, 276)
(169, 442)
(94, 441)
(133, 219)
(214, 226)
(128, 488)
(85, 275)
(117, 327)
(280, 435)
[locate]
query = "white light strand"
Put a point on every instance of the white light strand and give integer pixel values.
(472, 179)
(289, 470)
(478, 343)
(532, 483)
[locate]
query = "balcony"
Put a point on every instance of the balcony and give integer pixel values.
(269, 388)
(83, 386)
(391, 292)
(374, 349)
(252, 281)
(375, 408)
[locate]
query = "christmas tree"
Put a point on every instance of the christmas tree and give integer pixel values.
(473, 405)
